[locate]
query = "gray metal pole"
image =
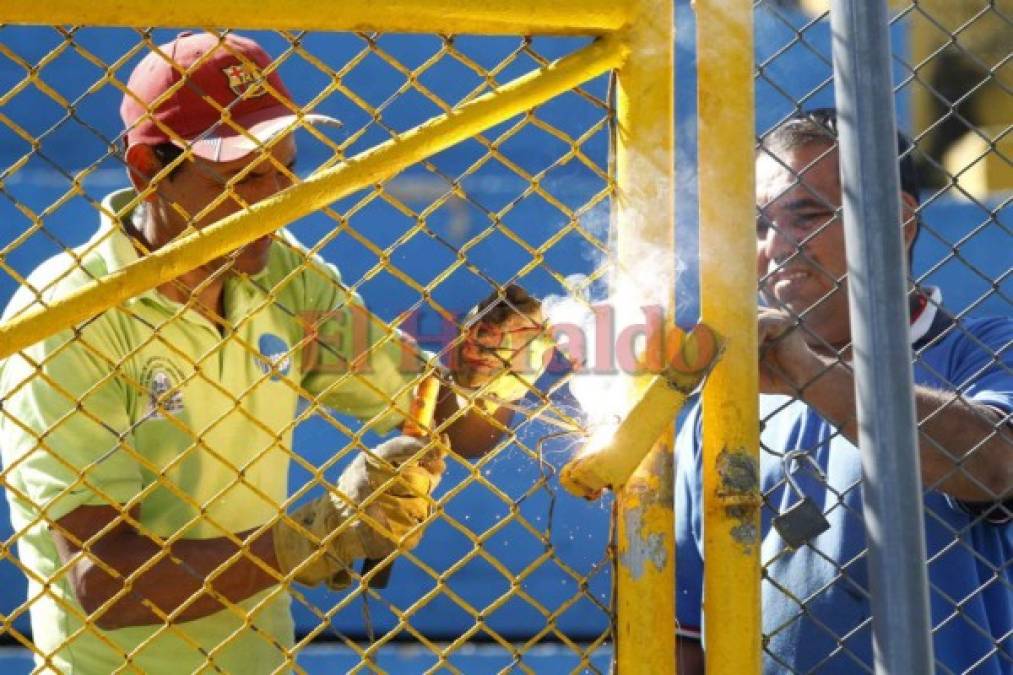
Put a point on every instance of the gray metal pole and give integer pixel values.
(877, 290)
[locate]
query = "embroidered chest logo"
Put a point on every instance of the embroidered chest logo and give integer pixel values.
(244, 83)
(274, 357)
(161, 381)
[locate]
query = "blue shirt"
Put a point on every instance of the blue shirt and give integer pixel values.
(816, 611)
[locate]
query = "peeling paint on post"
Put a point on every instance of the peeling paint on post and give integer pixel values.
(646, 565)
(644, 518)
(738, 471)
(739, 493)
(651, 549)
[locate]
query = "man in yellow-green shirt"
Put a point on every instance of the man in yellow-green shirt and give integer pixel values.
(146, 451)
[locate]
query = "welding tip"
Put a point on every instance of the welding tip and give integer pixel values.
(658, 395)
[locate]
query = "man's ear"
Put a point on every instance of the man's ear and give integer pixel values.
(909, 218)
(141, 166)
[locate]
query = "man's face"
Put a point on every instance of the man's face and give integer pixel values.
(194, 195)
(800, 254)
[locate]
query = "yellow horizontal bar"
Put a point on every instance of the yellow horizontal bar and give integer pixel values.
(484, 17)
(660, 398)
(315, 192)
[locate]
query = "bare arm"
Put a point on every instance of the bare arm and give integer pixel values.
(965, 450)
(474, 433)
(168, 584)
(690, 657)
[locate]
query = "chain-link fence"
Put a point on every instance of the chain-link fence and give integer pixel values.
(138, 407)
(209, 421)
(816, 578)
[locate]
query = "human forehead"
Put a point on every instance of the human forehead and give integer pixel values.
(809, 172)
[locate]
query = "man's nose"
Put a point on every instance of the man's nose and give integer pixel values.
(262, 188)
(781, 243)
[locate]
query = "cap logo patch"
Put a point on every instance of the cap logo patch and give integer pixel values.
(244, 83)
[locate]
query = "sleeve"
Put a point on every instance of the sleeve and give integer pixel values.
(64, 428)
(982, 371)
(983, 364)
(352, 360)
(688, 528)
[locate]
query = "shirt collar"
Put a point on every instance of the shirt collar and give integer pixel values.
(921, 323)
(112, 243)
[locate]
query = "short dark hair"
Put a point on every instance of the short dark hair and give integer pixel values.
(500, 304)
(819, 126)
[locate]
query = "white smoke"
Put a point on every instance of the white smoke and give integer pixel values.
(600, 384)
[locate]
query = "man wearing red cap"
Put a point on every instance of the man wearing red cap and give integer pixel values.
(147, 450)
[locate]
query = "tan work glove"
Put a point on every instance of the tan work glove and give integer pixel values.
(506, 347)
(314, 548)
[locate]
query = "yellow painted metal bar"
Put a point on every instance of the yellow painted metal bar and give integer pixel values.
(610, 462)
(483, 17)
(728, 304)
(645, 211)
(315, 192)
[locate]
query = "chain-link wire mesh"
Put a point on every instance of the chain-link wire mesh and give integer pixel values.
(814, 556)
(507, 561)
(204, 421)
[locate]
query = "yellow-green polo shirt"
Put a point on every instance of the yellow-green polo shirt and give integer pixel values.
(151, 404)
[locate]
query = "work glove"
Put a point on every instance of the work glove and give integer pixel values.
(319, 541)
(506, 345)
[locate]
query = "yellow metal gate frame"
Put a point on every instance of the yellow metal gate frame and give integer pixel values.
(635, 38)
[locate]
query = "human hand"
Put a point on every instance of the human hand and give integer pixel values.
(382, 497)
(401, 506)
(787, 363)
(506, 345)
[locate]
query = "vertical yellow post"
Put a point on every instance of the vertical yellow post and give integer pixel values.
(645, 166)
(728, 304)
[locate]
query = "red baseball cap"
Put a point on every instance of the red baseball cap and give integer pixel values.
(229, 70)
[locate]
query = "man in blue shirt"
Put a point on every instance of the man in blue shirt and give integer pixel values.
(816, 610)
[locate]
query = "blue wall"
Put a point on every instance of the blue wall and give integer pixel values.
(579, 530)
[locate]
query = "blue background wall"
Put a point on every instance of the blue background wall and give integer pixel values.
(579, 531)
